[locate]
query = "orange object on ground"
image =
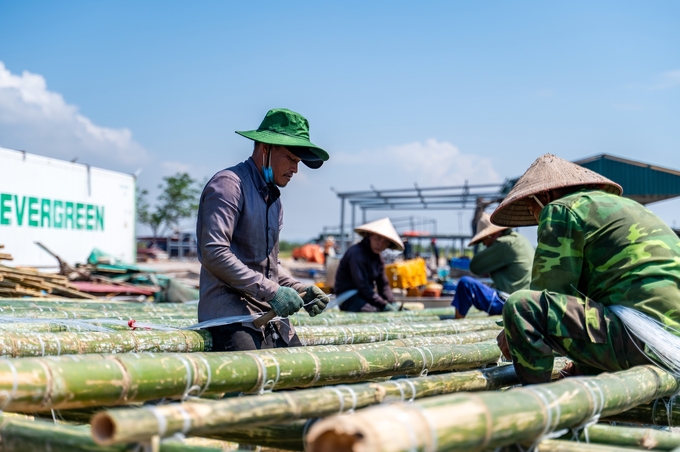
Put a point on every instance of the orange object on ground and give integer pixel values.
(309, 252)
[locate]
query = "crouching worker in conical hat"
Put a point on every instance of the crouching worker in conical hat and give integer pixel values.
(239, 219)
(597, 254)
(506, 259)
(362, 268)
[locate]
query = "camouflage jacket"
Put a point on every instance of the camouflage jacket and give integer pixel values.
(610, 249)
(508, 262)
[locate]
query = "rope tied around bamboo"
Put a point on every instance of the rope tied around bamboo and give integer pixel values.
(490, 419)
(200, 417)
(105, 380)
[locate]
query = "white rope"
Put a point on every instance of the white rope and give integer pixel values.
(413, 390)
(399, 387)
(162, 422)
(42, 344)
(186, 425)
(190, 376)
(15, 385)
(353, 394)
(598, 406)
(662, 340)
(423, 372)
(265, 387)
(341, 398)
(208, 373)
(263, 371)
(551, 422)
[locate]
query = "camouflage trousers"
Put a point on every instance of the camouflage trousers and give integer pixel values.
(537, 324)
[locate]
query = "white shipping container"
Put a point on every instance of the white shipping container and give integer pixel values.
(70, 208)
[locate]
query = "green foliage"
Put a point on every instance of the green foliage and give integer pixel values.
(285, 246)
(178, 200)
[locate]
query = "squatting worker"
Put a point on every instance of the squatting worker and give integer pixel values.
(595, 249)
(506, 259)
(239, 219)
(363, 268)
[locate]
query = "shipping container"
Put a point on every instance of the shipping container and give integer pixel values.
(70, 208)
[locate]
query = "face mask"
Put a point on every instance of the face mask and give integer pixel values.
(268, 171)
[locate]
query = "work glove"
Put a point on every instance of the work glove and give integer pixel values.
(502, 342)
(286, 302)
(390, 307)
(315, 300)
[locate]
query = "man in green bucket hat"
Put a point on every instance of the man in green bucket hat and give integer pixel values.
(239, 219)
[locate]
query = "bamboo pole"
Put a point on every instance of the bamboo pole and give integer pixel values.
(488, 419)
(353, 334)
(552, 445)
(77, 381)
(288, 436)
(13, 345)
(22, 434)
(656, 413)
(645, 438)
(126, 425)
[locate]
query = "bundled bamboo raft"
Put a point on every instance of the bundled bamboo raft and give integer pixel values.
(491, 419)
(38, 384)
(201, 417)
(14, 345)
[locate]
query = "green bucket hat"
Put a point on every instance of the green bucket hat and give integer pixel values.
(282, 127)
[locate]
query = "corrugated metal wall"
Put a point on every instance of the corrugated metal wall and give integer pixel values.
(637, 180)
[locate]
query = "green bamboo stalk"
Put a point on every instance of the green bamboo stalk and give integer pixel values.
(289, 436)
(39, 384)
(450, 339)
(489, 419)
(652, 414)
(552, 445)
(645, 438)
(320, 320)
(127, 425)
(353, 334)
(22, 434)
(25, 344)
(13, 345)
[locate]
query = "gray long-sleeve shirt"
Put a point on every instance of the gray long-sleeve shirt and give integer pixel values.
(239, 220)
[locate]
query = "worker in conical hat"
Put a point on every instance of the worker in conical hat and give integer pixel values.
(597, 251)
(239, 219)
(362, 268)
(506, 259)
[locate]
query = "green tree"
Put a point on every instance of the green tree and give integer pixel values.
(178, 200)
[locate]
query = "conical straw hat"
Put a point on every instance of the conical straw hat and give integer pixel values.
(485, 228)
(384, 228)
(548, 172)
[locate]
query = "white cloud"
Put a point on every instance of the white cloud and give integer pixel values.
(38, 120)
(667, 79)
(428, 163)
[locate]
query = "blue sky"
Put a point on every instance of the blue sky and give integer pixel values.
(397, 92)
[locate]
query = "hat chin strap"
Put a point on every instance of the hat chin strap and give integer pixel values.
(537, 201)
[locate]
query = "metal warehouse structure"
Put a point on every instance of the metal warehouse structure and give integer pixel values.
(642, 182)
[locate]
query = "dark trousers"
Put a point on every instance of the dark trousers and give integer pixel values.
(236, 337)
(358, 304)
